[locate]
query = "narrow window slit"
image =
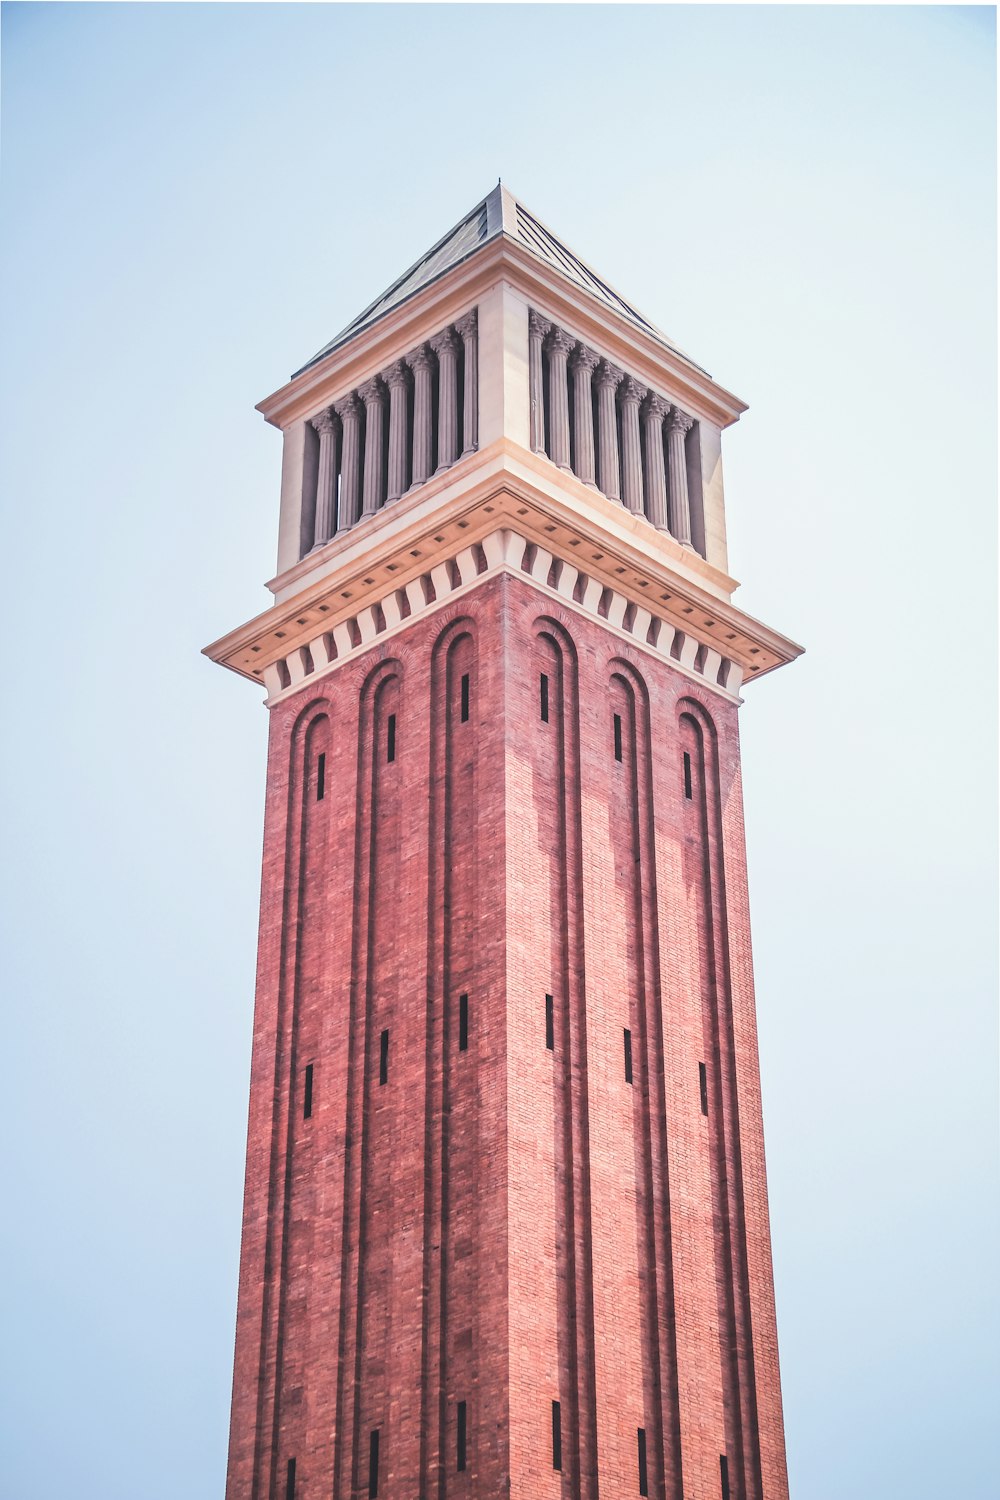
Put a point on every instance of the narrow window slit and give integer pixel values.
(543, 694)
(307, 1093)
(724, 1475)
(320, 776)
(465, 697)
(556, 1436)
(461, 1435)
(618, 736)
(290, 1480)
(463, 1023)
(643, 1476)
(373, 1465)
(383, 1058)
(687, 775)
(703, 1086)
(390, 747)
(628, 1055)
(550, 1024)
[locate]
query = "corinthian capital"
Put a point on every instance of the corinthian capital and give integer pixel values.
(679, 421)
(420, 359)
(537, 325)
(372, 392)
(324, 422)
(655, 408)
(583, 358)
(632, 391)
(396, 376)
(444, 341)
(561, 342)
(347, 407)
(609, 375)
(468, 323)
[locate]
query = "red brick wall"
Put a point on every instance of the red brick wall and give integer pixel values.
(506, 1225)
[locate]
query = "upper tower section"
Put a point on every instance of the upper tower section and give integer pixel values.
(500, 387)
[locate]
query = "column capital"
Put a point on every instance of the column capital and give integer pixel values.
(396, 376)
(537, 325)
(372, 391)
(467, 324)
(632, 391)
(679, 421)
(654, 407)
(561, 342)
(583, 358)
(446, 340)
(325, 422)
(420, 359)
(347, 406)
(609, 375)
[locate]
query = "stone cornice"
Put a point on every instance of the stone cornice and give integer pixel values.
(444, 300)
(505, 487)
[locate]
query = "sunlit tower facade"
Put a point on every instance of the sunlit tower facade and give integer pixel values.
(505, 1228)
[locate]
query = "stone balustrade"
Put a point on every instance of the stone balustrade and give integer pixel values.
(613, 432)
(414, 419)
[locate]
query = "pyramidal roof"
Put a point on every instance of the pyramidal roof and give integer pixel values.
(498, 214)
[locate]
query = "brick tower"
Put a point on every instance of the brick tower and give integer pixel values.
(505, 1228)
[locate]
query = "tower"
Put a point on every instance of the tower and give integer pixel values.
(505, 1226)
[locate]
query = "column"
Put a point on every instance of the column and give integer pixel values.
(679, 423)
(325, 519)
(445, 346)
(653, 413)
(559, 346)
(421, 363)
(608, 380)
(397, 379)
(348, 409)
(583, 362)
(372, 394)
(538, 328)
(632, 394)
(468, 328)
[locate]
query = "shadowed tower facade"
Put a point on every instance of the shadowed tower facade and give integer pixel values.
(505, 1226)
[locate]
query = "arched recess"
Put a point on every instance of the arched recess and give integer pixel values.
(364, 1372)
(633, 839)
(556, 783)
(290, 1190)
(452, 1339)
(699, 777)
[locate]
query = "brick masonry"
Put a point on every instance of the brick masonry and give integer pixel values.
(505, 1225)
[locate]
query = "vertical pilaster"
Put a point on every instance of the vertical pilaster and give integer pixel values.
(632, 394)
(538, 329)
(423, 415)
(397, 379)
(583, 363)
(372, 394)
(445, 346)
(348, 409)
(560, 344)
(467, 328)
(653, 412)
(609, 377)
(325, 523)
(678, 424)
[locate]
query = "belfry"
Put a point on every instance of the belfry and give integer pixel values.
(505, 1228)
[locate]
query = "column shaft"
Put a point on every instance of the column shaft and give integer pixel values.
(608, 380)
(559, 346)
(653, 413)
(678, 424)
(468, 328)
(583, 364)
(372, 395)
(423, 415)
(445, 346)
(396, 378)
(325, 519)
(349, 411)
(632, 394)
(538, 328)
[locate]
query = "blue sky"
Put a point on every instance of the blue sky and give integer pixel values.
(195, 198)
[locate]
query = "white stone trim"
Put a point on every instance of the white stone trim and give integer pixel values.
(501, 551)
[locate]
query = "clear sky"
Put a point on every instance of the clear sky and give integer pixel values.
(195, 198)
